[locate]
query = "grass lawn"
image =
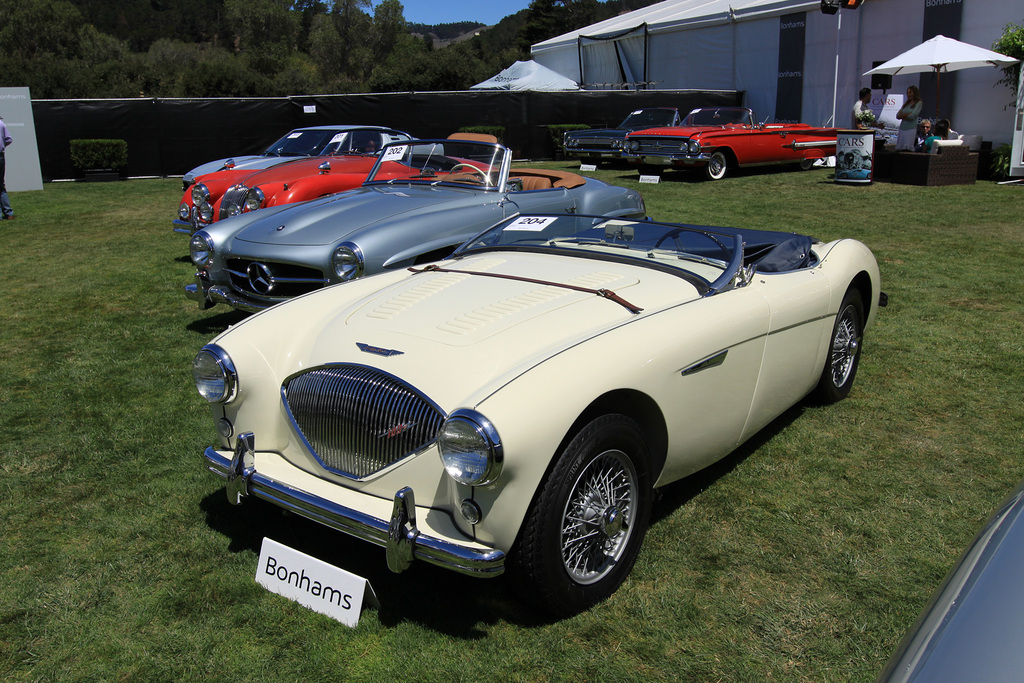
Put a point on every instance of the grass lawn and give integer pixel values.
(803, 556)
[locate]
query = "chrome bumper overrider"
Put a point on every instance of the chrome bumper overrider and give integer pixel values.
(399, 536)
(183, 226)
(207, 295)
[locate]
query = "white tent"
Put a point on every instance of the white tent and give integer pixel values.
(528, 75)
(748, 45)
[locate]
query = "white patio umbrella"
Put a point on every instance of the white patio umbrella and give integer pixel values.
(941, 54)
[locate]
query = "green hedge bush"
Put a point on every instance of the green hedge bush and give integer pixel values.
(99, 154)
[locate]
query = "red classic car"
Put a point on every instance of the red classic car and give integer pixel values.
(232, 191)
(719, 139)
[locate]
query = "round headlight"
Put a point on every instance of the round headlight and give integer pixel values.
(693, 147)
(347, 261)
(184, 211)
(253, 199)
(200, 248)
(205, 212)
(470, 448)
(633, 145)
(214, 374)
(200, 193)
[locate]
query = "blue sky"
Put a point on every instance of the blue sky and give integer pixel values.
(488, 12)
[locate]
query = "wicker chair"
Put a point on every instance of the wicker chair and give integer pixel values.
(954, 165)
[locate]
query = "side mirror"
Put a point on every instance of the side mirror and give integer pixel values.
(324, 167)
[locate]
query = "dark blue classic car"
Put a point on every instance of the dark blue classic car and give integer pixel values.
(605, 144)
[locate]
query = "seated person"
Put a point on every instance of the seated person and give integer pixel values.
(924, 130)
(940, 133)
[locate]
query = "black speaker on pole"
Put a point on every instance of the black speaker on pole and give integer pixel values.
(880, 81)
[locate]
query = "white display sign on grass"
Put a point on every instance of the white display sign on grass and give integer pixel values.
(313, 583)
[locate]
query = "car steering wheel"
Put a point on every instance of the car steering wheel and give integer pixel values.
(469, 167)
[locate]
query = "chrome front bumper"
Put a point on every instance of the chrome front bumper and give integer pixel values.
(669, 159)
(399, 536)
(206, 295)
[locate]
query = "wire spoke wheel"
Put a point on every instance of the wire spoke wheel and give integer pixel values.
(599, 517)
(845, 346)
(844, 351)
(583, 532)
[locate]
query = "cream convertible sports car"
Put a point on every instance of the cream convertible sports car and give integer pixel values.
(517, 403)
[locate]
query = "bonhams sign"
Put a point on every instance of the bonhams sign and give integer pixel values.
(789, 92)
(310, 582)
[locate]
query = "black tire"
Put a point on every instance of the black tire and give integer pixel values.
(717, 166)
(586, 525)
(844, 351)
(807, 164)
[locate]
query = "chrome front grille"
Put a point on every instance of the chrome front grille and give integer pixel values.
(272, 281)
(357, 420)
(233, 199)
(596, 143)
(661, 145)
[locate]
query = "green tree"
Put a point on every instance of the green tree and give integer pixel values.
(389, 26)
(266, 32)
(326, 47)
(355, 27)
(1011, 44)
(32, 28)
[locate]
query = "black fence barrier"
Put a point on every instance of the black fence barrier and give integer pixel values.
(167, 137)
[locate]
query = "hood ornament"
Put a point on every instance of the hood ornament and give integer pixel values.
(377, 350)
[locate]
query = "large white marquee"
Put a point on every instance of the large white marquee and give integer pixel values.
(792, 61)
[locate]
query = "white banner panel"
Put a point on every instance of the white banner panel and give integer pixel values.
(22, 156)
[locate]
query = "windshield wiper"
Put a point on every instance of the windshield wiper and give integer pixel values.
(683, 256)
(587, 240)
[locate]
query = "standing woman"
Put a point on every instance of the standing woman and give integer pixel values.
(908, 120)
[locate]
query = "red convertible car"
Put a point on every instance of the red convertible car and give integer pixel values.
(719, 139)
(232, 191)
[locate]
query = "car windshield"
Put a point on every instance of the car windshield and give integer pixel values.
(709, 253)
(433, 162)
(303, 143)
(720, 116)
(649, 118)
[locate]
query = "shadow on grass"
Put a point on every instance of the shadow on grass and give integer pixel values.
(677, 494)
(696, 176)
(439, 599)
(216, 324)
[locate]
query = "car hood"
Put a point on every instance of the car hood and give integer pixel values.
(685, 131)
(600, 132)
(461, 333)
(319, 222)
(301, 168)
(242, 163)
